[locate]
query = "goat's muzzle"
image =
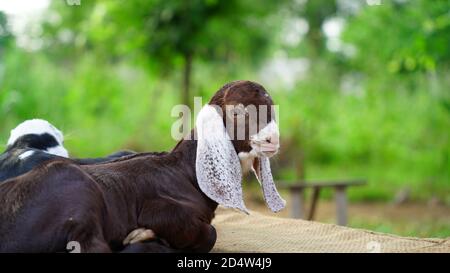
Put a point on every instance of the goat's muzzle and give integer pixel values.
(267, 141)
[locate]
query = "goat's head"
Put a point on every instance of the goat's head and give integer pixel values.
(38, 134)
(237, 128)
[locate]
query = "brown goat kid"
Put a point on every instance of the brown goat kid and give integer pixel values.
(170, 196)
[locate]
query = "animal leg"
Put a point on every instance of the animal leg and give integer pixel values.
(94, 245)
(139, 235)
(86, 238)
(148, 247)
(179, 224)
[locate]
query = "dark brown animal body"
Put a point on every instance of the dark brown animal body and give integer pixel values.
(98, 205)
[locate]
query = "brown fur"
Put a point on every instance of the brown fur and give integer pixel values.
(98, 205)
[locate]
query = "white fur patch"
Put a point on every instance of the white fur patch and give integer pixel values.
(217, 164)
(259, 141)
(58, 150)
(264, 174)
(26, 154)
(35, 126)
(246, 160)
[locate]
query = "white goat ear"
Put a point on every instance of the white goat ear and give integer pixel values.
(217, 164)
(261, 168)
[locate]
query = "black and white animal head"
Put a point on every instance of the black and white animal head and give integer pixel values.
(237, 132)
(38, 134)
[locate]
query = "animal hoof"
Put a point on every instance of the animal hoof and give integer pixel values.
(139, 235)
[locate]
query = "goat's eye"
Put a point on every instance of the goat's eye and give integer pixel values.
(239, 110)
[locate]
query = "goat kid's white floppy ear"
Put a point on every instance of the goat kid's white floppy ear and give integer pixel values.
(261, 168)
(217, 164)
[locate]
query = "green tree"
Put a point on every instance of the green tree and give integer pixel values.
(6, 36)
(316, 12)
(401, 37)
(166, 35)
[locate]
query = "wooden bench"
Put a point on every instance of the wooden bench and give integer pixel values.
(297, 189)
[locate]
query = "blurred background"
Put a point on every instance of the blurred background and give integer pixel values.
(363, 88)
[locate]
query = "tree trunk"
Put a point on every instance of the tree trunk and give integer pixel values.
(300, 165)
(187, 74)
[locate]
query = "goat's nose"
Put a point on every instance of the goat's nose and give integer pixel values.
(272, 140)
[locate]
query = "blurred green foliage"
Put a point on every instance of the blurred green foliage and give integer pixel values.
(376, 107)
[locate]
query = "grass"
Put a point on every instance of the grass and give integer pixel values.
(428, 229)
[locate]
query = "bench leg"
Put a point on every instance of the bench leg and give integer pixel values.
(341, 205)
(315, 199)
(297, 204)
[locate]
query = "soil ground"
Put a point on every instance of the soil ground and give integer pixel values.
(408, 219)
